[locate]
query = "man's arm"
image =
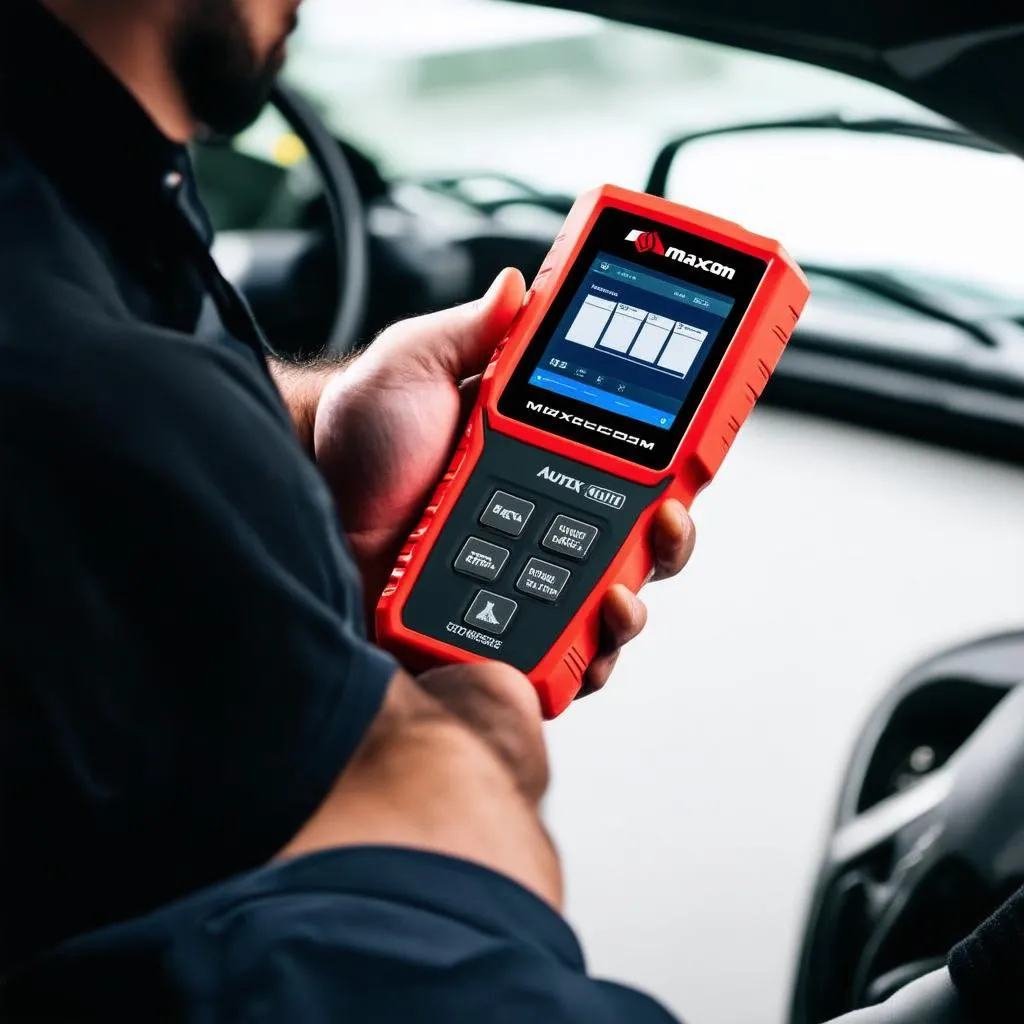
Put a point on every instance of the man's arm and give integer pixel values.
(209, 548)
(455, 763)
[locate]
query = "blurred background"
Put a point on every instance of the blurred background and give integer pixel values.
(692, 800)
(560, 99)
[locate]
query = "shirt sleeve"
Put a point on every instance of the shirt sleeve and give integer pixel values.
(376, 934)
(191, 670)
(507, 985)
(986, 966)
(398, 939)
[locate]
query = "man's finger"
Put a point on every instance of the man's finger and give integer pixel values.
(598, 674)
(623, 617)
(673, 538)
(459, 342)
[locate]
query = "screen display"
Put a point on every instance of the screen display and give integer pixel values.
(632, 341)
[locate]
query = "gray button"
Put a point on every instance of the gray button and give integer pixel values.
(542, 579)
(570, 537)
(491, 612)
(480, 559)
(507, 513)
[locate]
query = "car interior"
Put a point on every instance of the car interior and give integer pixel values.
(737, 803)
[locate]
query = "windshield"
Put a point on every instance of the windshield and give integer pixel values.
(560, 99)
(564, 101)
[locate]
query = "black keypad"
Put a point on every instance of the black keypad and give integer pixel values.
(539, 579)
(507, 513)
(570, 537)
(542, 580)
(481, 559)
(490, 612)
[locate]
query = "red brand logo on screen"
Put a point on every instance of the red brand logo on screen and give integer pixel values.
(647, 241)
(650, 241)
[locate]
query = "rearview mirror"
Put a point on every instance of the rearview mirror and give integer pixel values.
(924, 201)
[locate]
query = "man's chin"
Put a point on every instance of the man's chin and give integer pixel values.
(226, 81)
(225, 121)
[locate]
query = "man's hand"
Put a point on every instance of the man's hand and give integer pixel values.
(385, 427)
(383, 431)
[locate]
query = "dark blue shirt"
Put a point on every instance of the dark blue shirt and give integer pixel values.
(184, 669)
(356, 936)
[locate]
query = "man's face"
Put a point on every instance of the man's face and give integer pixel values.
(226, 54)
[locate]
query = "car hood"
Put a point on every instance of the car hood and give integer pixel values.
(962, 60)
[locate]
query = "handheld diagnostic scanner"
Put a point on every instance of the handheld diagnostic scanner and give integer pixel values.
(645, 339)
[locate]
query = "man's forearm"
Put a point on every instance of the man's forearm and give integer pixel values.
(301, 385)
(454, 764)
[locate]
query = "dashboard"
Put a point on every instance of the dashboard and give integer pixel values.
(431, 245)
(438, 242)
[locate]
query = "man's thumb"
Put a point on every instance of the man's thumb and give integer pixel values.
(462, 339)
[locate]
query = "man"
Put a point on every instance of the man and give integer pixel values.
(186, 690)
(186, 686)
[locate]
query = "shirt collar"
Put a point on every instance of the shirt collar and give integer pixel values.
(84, 129)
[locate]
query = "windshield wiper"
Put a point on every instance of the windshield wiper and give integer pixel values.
(988, 331)
(953, 134)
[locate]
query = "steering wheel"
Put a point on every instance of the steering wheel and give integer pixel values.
(346, 213)
(928, 838)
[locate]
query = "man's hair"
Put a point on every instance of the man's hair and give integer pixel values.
(225, 80)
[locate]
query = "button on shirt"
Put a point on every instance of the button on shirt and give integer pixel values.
(184, 669)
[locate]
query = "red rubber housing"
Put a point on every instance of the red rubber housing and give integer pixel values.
(737, 384)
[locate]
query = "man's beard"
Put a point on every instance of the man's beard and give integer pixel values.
(225, 82)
